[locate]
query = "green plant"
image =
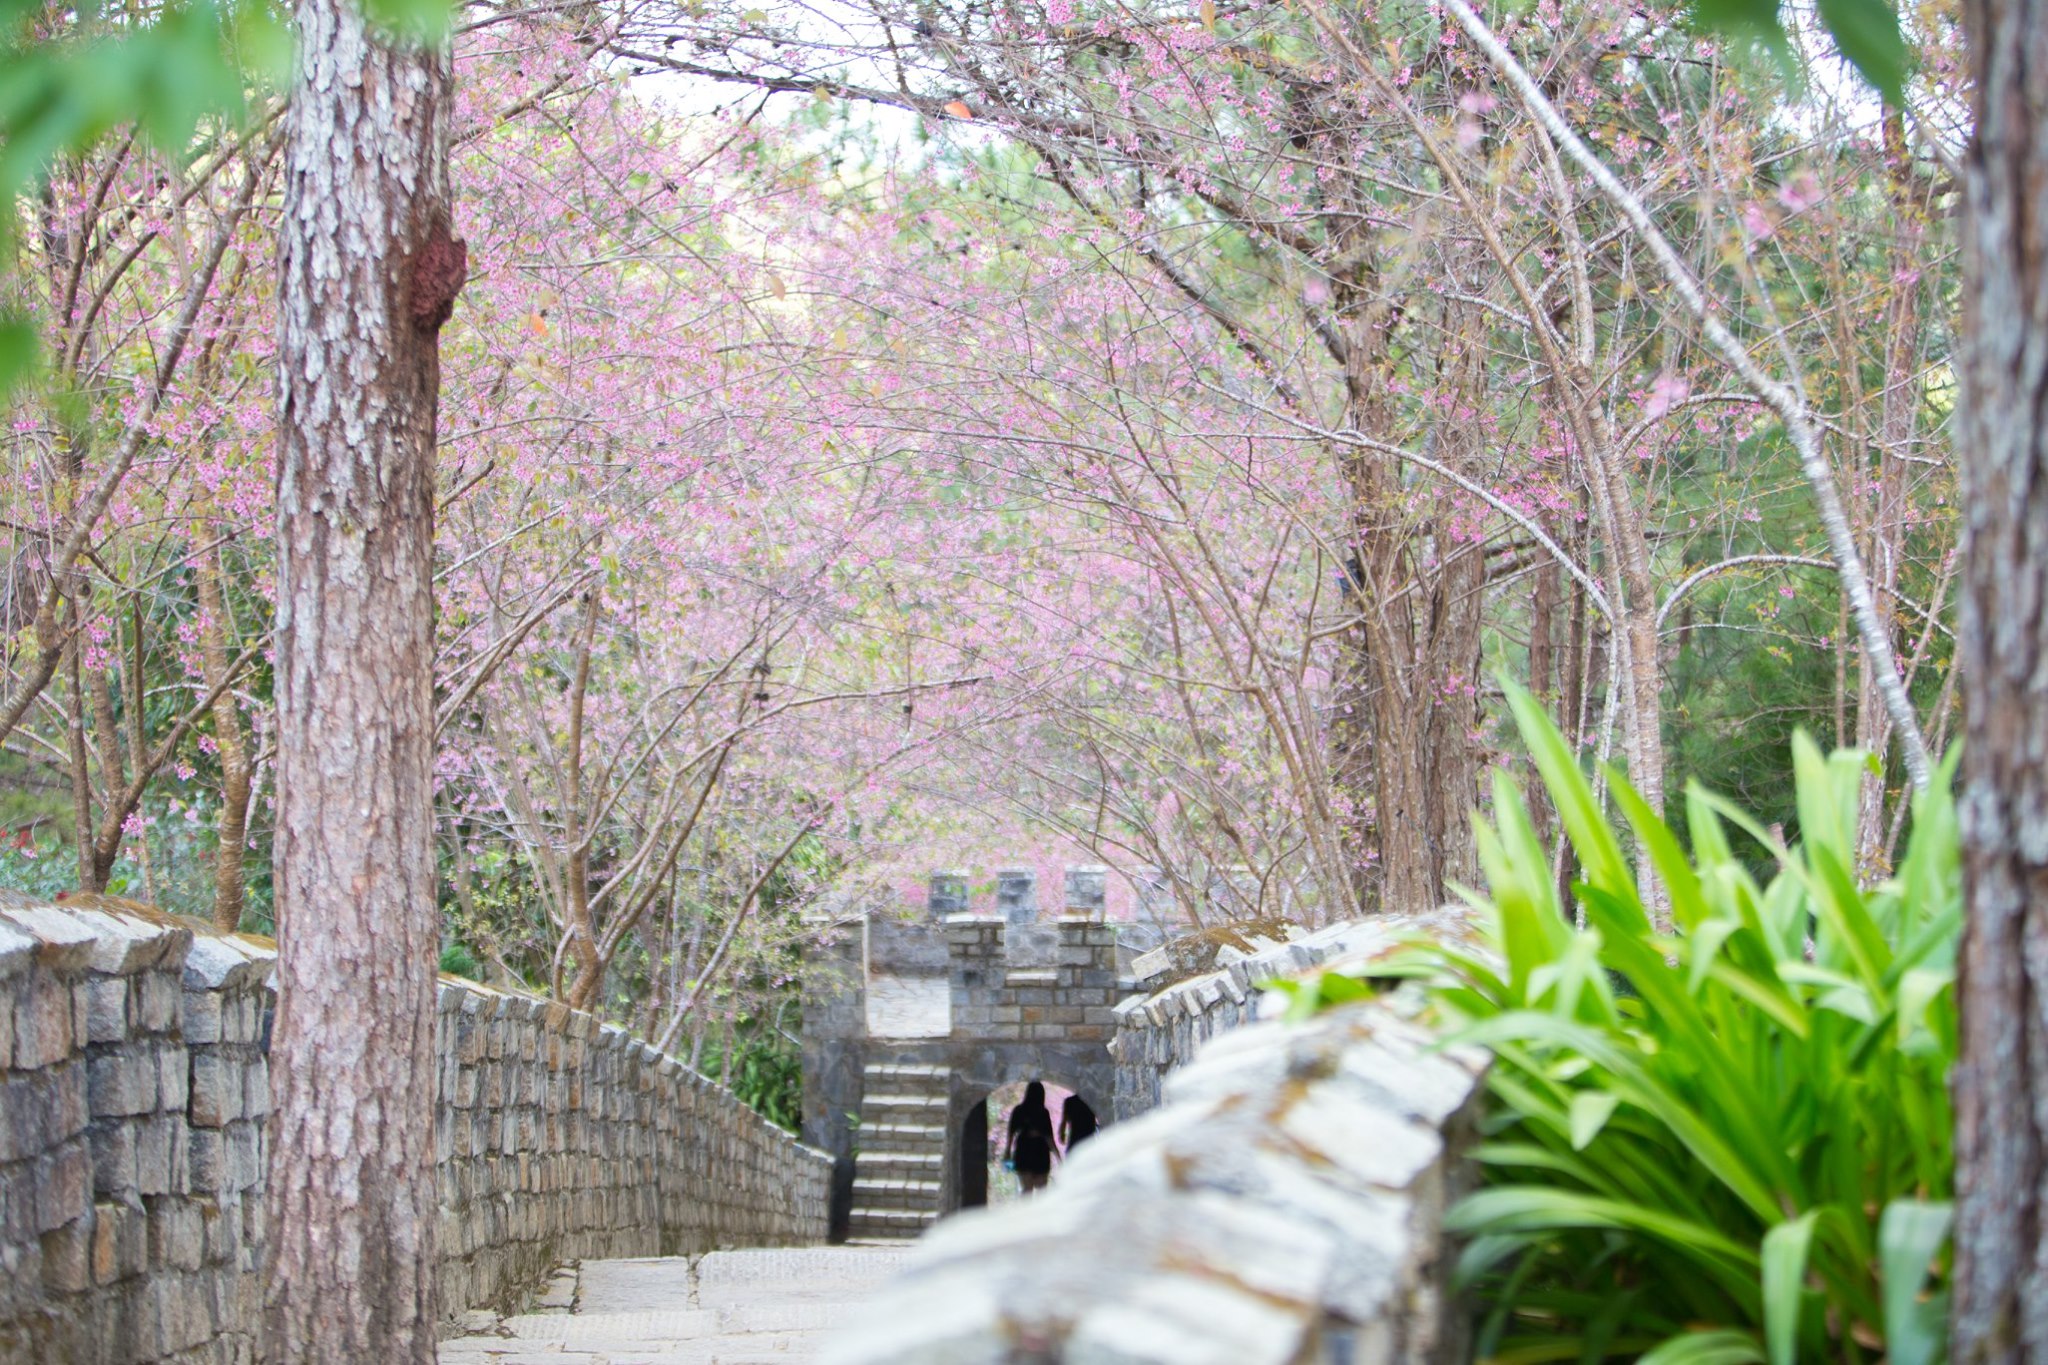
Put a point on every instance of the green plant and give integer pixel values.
(1731, 1143)
(764, 1069)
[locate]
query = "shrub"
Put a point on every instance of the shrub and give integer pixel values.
(1726, 1144)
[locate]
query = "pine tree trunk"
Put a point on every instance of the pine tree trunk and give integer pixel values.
(368, 273)
(2001, 1086)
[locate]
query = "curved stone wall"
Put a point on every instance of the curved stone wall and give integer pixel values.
(133, 1092)
(1284, 1205)
(1273, 1194)
(1161, 1032)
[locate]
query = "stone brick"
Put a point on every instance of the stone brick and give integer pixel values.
(162, 1155)
(106, 1265)
(43, 1021)
(18, 950)
(39, 1109)
(207, 1161)
(244, 1156)
(199, 1017)
(67, 1257)
(159, 1002)
(106, 1019)
(256, 1088)
(63, 1184)
(113, 1156)
(173, 1069)
(122, 1080)
(177, 1234)
(62, 944)
(215, 1097)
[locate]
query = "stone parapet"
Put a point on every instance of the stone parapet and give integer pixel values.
(1159, 1033)
(1061, 992)
(1284, 1205)
(134, 1090)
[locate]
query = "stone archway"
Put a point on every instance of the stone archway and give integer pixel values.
(910, 1024)
(976, 1126)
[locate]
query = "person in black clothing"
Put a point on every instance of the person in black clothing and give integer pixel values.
(1030, 1146)
(1077, 1123)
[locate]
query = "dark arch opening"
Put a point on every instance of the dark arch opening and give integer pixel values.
(973, 1156)
(983, 1133)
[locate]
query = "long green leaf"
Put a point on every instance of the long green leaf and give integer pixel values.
(1699, 1135)
(1869, 35)
(1784, 1273)
(1599, 853)
(1531, 1208)
(1706, 1348)
(1909, 1234)
(1590, 1111)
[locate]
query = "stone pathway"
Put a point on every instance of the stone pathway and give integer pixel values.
(771, 1307)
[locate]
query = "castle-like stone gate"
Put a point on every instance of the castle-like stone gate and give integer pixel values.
(909, 1025)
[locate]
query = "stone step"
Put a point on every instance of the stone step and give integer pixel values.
(903, 1101)
(923, 1205)
(893, 1217)
(914, 1160)
(904, 1210)
(905, 1189)
(901, 1138)
(906, 1071)
(902, 1223)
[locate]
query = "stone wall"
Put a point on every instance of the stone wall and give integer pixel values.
(1284, 1205)
(1161, 1032)
(133, 1093)
(834, 1050)
(562, 1138)
(1020, 1001)
(1061, 989)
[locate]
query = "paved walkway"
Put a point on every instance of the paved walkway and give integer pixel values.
(770, 1307)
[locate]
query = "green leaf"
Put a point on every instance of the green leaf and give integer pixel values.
(1756, 17)
(1590, 1111)
(20, 350)
(1908, 1236)
(1514, 1208)
(1705, 1348)
(1311, 995)
(1784, 1273)
(422, 21)
(1599, 852)
(1868, 33)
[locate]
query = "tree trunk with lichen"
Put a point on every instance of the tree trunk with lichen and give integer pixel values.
(2000, 1309)
(1414, 651)
(369, 271)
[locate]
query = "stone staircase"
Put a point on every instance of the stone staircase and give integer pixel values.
(899, 1174)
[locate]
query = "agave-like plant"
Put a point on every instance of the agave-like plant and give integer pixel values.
(1725, 1144)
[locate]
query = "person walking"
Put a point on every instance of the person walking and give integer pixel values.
(1077, 1123)
(1031, 1139)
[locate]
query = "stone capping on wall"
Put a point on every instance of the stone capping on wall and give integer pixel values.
(1283, 1205)
(1158, 1033)
(134, 1088)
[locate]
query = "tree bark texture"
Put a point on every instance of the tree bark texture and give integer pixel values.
(1414, 655)
(369, 271)
(2000, 1309)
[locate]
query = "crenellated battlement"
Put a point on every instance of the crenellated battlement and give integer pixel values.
(910, 1023)
(1006, 986)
